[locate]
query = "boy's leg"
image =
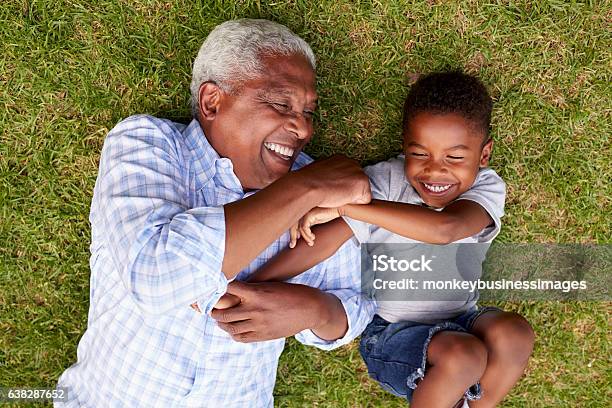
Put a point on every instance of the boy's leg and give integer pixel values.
(456, 361)
(509, 340)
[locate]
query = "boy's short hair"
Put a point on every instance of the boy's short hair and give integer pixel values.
(450, 92)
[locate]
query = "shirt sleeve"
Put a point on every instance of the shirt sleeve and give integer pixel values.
(488, 190)
(342, 278)
(360, 229)
(167, 254)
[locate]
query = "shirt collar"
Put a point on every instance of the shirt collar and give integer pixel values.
(206, 161)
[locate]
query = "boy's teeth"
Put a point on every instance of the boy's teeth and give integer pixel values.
(437, 189)
(285, 151)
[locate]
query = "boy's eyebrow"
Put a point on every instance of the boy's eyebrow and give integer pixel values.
(459, 146)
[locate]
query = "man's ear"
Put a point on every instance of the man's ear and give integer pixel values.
(209, 98)
(485, 155)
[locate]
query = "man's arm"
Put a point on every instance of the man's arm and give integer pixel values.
(458, 220)
(254, 223)
(169, 254)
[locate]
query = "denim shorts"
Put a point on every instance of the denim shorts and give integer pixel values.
(396, 353)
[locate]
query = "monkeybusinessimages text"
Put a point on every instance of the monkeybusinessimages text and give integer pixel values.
(385, 263)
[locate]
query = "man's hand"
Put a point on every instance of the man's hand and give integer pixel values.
(339, 180)
(226, 301)
(272, 310)
(313, 217)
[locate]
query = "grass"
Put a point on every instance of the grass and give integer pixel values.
(70, 70)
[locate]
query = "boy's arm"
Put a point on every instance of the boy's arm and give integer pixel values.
(291, 262)
(460, 219)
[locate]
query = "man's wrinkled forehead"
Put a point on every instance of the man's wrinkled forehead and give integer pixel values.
(289, 76)
(286, 90)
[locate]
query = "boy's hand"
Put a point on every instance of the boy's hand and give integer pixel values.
(313, 217)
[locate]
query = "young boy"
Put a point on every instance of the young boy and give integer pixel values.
(434, 353)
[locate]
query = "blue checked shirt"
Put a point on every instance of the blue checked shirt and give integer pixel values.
(158, 232)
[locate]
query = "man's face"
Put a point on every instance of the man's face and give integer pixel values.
(443, 156)
(264, 127)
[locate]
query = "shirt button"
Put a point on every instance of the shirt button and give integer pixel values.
(225, 163)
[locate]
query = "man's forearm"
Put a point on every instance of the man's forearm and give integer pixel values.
(253, 223)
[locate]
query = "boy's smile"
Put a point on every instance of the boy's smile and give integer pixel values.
(443, 156)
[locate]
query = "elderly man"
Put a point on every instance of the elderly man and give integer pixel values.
(179, 212)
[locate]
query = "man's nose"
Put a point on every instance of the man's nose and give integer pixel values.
(299, 125)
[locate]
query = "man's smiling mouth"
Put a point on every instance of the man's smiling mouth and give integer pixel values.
(284, 152)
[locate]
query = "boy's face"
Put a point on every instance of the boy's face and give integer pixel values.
(443, 156)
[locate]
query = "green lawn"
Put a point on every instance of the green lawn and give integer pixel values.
(70, 70)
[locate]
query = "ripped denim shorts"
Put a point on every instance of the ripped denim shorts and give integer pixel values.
(396, 353)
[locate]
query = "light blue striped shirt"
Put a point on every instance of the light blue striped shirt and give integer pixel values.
(158, 239)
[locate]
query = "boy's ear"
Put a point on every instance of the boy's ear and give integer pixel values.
(485, 155)
(209, 98)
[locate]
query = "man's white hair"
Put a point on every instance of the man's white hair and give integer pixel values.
(232, 53)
